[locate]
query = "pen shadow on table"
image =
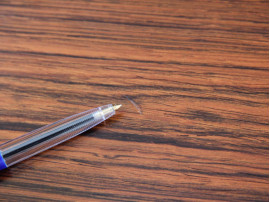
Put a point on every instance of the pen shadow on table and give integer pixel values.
(96, 131)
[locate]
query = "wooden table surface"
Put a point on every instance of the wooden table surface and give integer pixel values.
(193, 80)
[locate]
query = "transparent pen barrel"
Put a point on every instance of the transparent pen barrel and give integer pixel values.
(48, 136)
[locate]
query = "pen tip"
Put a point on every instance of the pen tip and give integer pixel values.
(115, 107)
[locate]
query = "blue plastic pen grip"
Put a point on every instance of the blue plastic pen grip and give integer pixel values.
(3, 164)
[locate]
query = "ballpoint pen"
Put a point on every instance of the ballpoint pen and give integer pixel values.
(53, 134)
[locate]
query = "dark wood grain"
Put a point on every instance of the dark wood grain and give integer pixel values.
(198, 70)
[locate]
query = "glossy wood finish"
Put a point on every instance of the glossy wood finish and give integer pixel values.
(197, 71)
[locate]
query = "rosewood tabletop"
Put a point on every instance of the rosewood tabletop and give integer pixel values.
(192, 77)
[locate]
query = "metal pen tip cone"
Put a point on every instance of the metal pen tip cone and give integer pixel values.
(115, 107)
